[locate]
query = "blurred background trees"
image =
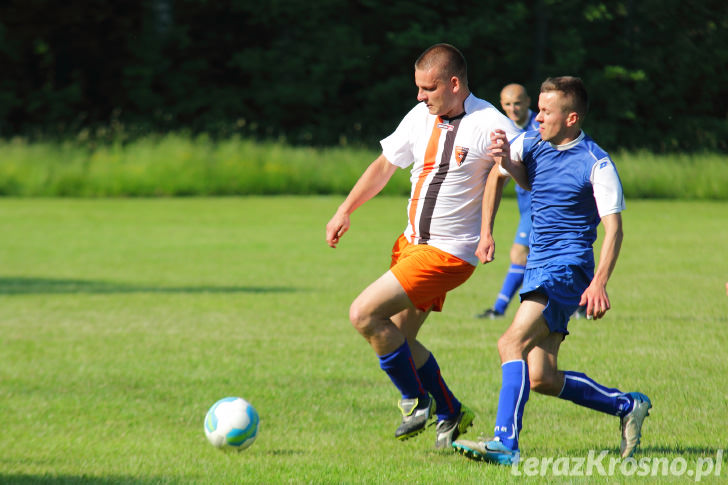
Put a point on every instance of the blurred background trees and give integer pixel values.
(335, 72)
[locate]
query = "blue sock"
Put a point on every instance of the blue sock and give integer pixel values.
(582, 390)
(511, 283)
(448, 406)
(400, 367)
(513, 396)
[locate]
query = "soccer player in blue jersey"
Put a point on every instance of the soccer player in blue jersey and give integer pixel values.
(515, 103)
(574, 186)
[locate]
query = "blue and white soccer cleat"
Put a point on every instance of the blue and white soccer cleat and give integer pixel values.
(492, 451)
(631, 424)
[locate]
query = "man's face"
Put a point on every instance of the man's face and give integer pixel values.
(437, 92)
(553, 116)
(515, 105)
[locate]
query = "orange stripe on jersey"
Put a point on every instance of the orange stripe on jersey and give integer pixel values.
(430, 158)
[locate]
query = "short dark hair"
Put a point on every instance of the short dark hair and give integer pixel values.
(573, 88)
(447, 58)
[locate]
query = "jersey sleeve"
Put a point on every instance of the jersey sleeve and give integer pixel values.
(517, 147)
(397, 147)
(512, 131)
(607, 188)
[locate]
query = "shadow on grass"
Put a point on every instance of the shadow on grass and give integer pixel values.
(685, 451)
(655, 451)
(84, 480)
(29, 286)
(286, 452)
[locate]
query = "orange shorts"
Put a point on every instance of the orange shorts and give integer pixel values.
(427, 273)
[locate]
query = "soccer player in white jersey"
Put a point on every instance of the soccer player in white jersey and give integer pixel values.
(445, 138)
(574, 186)
(515, 103)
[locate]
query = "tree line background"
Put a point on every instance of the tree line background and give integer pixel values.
(334, 72)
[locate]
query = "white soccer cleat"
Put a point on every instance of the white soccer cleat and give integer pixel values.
(631, 424)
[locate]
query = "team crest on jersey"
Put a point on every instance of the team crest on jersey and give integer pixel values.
(460, 154)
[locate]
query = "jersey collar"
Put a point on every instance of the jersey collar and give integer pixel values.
(571, 144)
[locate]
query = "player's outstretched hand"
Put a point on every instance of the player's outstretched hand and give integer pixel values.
(336, 228)
(596, 300)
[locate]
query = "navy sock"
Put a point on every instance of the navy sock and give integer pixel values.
(584, 391)
(400, 367)
(511, 283)
(448, 406)
(512, 401)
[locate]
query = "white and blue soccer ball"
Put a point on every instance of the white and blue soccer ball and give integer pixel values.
(232, 423)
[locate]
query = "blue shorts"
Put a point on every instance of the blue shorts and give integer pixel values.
(563, 285)
(523, 233)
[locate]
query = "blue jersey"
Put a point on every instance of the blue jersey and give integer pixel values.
(523, 197)
(572, 187)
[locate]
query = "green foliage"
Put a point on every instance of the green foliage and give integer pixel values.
(184, 165)
(122, 321)
(285, 69)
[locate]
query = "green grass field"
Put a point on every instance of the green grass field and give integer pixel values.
(122, 321)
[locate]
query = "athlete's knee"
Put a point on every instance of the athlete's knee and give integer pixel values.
(545, 382)
(511, 347)
(519, 254)
(365, 319)
(359, 317)
(505, 346)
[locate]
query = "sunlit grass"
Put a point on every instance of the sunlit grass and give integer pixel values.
(122, 321)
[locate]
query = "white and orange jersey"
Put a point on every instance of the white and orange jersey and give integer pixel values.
(450, 163)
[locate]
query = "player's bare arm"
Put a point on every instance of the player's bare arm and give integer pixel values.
(371, 182)
(595, 297)
(491, 200)
(500, 150)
